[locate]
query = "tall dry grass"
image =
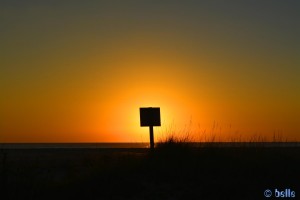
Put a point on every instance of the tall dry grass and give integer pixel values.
(172, 137)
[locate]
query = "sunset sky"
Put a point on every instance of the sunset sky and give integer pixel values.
(78, 71)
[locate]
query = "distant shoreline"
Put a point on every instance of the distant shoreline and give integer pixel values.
(139, 145)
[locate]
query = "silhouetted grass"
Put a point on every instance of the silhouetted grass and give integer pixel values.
(178, 168)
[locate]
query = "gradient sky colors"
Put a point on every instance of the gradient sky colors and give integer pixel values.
(78, 71)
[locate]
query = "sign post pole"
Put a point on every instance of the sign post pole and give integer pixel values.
(151, 137)
(150, 117)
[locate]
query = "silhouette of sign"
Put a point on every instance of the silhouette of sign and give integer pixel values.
(150, 117)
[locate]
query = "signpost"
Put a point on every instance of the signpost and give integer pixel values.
(150, 117)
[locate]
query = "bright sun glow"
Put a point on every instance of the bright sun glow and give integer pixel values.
(86, 81)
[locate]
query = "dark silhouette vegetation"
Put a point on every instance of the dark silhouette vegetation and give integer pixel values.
(176, 169)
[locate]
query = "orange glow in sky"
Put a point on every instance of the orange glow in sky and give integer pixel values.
(80, 72)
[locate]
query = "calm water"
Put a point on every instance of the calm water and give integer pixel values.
(71, 145)
(136, 145)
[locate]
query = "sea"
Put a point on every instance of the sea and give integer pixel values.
(72, 145)
(139, 145)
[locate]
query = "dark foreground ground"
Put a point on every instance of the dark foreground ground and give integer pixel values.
(167, 173)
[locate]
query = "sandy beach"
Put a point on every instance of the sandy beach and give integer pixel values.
(138, 173)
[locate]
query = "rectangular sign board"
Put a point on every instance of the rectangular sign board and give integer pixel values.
(150, 116)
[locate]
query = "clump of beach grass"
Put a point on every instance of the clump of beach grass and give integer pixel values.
(176, 139)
